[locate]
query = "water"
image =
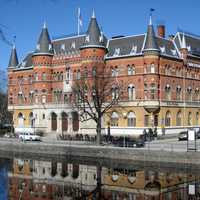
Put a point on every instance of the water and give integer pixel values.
(60, 179)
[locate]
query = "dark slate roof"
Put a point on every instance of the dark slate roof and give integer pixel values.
(44, 45)
(166, 47)
(27, 61)
(94, 37)
(192, 43)
(13, 62)
(150, 40)
(125, 46)
(68, 44)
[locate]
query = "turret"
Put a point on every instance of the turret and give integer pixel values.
(13, 62)
(150, 46)
(44, 49)
(94, 36)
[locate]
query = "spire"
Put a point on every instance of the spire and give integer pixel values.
(44, 25)
(94, 36)
(150, 19)
(44, 45)
(13, 62)
(93, 14)
(150, 40)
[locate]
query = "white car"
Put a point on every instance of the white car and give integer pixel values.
(29, 136)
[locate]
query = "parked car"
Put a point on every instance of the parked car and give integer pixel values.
(183, 135)
(29, 136)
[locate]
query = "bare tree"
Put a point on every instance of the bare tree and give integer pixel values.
(5, 116)
(94, 94)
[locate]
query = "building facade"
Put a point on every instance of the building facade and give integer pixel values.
(160, 78)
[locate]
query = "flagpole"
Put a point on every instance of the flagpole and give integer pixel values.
(78, 21)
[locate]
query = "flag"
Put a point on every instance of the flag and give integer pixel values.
(152, 9)
(79, 17)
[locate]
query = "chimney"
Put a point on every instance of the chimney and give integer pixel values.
(161, 30)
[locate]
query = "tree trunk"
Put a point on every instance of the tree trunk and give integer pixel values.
(98, 141)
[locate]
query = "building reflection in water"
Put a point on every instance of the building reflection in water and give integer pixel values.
(40, 180)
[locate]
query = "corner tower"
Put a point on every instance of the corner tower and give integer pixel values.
(94, 47)
(151, 53)
(44, 49)
(13, 62)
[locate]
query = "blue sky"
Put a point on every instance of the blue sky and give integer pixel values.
(24, 18)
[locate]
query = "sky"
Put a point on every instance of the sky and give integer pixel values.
(24, 19)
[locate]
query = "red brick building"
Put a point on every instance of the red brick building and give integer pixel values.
(160, 78)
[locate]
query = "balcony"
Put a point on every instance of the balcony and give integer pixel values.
(152, 106)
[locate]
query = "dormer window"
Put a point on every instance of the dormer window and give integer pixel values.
(173, 52)
(73, 45)
(38, 47)
(117, 52)
(87, 38)
(162, 49)
(23, 64)
(133, 50)
(189, 48)
(50, 46)
(63, 47)
(101, 37)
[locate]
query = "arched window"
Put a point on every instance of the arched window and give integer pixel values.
(31, 120)
(78, 74)
(189, 119)
(65, 98)
(197, 118)
(44, 99)
(115, 93)
(131, 119)
(152, 68)
(178, 118)
(168, 119)
(75, 121)
(131, 92)
(196, 94)
(68, 74)
(75, 171)
(20, 120)
(53, 121)
(114, 119)
(64, 171)
(53, 168)
(64, 121)
(178, 92)
(43, 76)
(94, 71)
(131, 70)
(145, 91)
(189, 93)
(36, 76)
(153, 91)
(168, 92)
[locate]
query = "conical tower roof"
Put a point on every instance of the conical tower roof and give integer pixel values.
(44, 45)
(94, 36)
(150, 40)
(13, 62)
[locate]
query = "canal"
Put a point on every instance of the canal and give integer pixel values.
(30, 178)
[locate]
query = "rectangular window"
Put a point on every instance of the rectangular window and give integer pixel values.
(146, 120)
